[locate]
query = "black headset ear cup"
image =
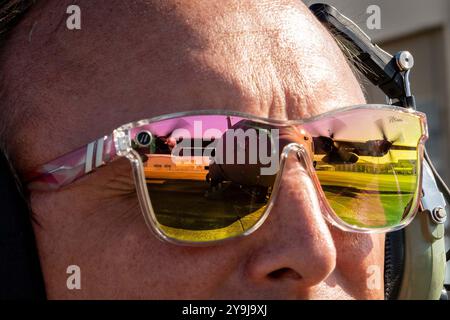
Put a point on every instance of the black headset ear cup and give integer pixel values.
(394, 262)
(20, 272)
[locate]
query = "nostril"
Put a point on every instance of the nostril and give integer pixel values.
(284, 273)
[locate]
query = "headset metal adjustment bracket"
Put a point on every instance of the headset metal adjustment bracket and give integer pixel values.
(433, 200)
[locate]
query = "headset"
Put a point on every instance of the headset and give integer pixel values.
(415, 257)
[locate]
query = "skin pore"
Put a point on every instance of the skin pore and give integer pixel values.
(139, 59)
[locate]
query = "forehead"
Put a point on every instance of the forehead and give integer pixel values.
(136, 60)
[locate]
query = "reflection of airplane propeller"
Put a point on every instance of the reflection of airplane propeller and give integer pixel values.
(383, 147)
(336, 152)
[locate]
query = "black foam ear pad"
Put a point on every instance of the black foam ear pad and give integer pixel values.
(20, 272)
(394, 262)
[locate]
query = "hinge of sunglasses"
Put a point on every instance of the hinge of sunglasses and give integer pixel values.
(121, 142)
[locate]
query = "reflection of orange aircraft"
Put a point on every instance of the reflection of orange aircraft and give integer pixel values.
(165, 167)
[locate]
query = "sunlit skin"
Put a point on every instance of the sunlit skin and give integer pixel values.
(138, 59)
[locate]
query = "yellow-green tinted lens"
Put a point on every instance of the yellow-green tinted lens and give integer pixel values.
(193, 198)
(189, 209)
(367, 162)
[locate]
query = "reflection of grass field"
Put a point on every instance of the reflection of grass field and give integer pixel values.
(365, 199)
(184, 204)
(360, 199)
(370, 210)
(368, 181)
(234, 229)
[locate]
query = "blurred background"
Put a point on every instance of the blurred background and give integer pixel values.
(423, 28)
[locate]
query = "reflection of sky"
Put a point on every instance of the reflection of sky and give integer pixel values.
(196, 125)
(355, 125)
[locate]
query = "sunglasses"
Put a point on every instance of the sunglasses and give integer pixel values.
(207, 176)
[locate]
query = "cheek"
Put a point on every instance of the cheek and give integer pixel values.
(118, 255)
(360, 263)
(147, 268)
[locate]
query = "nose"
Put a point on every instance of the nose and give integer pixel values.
(297, 243)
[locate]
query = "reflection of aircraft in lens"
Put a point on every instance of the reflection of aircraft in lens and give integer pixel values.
(249, 174)
(227, 174)
(243, 174)
(348, 152)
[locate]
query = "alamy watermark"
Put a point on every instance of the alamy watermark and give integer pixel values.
(234, 146)
(74, 279)
(374, 277)
(73, 21)
(374, 20)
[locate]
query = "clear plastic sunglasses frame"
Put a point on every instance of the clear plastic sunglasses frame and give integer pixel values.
(74, 165)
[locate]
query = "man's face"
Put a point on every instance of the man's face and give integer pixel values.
(139, 59)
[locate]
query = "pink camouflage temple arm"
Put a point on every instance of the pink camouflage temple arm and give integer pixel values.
(72, 166)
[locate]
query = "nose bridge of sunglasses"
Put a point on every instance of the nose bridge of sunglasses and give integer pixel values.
(297, 135)
(297, 156)
(297, 171)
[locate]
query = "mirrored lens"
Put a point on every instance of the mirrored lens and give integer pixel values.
(208, 176)
(367, 162)
(203, 180)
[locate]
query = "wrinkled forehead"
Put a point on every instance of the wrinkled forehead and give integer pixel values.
(133, 60)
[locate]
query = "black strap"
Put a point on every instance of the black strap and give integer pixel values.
(394, 262)
(20, 272)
